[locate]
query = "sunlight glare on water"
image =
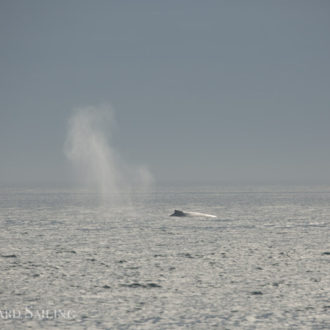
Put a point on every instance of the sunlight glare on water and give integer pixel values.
(263, 261)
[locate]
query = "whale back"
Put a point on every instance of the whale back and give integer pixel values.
(178, 213)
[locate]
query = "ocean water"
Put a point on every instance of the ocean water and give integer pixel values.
(69, 261)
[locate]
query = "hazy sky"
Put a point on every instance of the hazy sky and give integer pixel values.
(202, 90)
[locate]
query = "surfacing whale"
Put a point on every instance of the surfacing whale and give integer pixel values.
(178, 213)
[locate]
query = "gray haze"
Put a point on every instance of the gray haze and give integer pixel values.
(202, 90)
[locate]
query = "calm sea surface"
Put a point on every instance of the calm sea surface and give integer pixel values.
(69, 260)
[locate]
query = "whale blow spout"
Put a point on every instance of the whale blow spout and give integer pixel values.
(178, 213)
